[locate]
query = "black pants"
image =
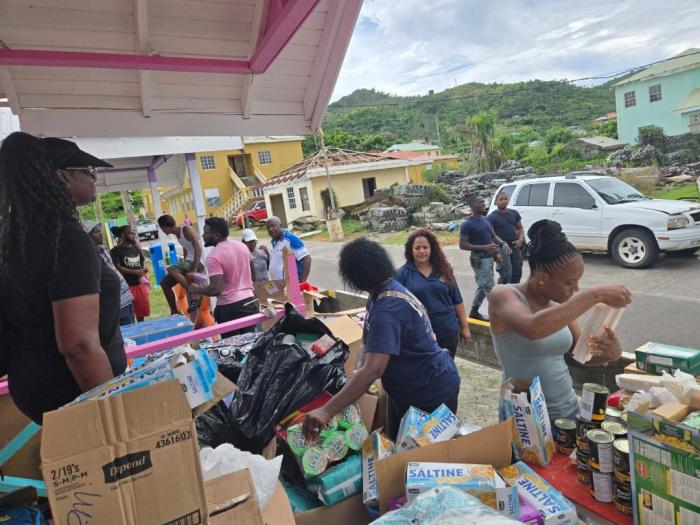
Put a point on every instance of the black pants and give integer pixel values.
(230, 312)
(397, 410)
(449, 342)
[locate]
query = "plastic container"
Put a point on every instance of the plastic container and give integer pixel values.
(600, 315)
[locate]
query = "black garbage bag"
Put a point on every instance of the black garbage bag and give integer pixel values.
(229, 362)
(279, 378)
(216, 427)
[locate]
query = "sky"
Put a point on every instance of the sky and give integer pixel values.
(409, 47)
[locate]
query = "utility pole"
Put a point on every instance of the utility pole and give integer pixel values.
(335, 227)
(328, 173)
(437, 128)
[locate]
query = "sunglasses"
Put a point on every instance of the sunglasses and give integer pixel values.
(87, 170)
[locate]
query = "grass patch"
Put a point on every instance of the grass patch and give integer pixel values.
(682, 191)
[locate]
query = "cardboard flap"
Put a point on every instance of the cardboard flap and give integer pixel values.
(347, 512)
(235, 494)
(489, 446)
(278, 511)
(345, 329)
(221, 389)
(78, 428)
(368, 407)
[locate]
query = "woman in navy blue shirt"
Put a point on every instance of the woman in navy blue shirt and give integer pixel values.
(399, 346)
(428, 275)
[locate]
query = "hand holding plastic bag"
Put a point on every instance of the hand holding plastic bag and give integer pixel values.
(226, 459)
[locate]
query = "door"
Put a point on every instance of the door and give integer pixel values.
(239, 165)
(531, 202)
(579, 214)
(369, 186)
(277, 204)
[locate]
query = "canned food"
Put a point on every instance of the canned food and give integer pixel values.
(601, 445)
(612, 414)
(622, 492)
(582, 428)
(584, 470)
(615, 428)
(594, 400)
(623, 418)
(621, 459)
(565, 435)
(601, 486)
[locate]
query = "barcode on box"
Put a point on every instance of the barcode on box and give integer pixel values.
(193, 518)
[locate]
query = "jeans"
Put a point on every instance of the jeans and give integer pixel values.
(483, 272)
(449, 342)
(511, 270)
(126, 315)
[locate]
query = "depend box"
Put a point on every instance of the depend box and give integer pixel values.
(376, 447)
(477, 480)
(532, 433)
(654, 358)
(440, 425)
(552, 505)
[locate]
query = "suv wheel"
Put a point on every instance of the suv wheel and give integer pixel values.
(634, 248)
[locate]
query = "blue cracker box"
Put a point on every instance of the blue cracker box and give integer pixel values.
(440, 425)
(478, 480)
(156, 329)
(410, 423)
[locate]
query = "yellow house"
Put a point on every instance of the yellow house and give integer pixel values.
(355, 176)
(425, 164)
(230, 179)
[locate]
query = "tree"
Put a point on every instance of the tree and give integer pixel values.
(480, 132)
(609, 129)
(557, 135)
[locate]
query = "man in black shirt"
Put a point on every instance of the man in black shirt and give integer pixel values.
(129, 261)
(508, 225)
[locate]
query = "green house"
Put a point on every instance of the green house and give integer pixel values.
(666, 95)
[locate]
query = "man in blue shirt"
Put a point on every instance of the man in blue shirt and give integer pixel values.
(477, 236)
(282, 239)
(399, 345)
(508, 225)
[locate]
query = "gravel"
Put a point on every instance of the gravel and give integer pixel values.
(478, 394)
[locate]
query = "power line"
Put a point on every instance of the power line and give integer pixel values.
(422, 99)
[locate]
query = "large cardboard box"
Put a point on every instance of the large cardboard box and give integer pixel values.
(665, 468)
(131, 458)
(24, 463)
(348, 331)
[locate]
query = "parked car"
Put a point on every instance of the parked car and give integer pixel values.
(605, 214)
(256, 214)
(146, 229)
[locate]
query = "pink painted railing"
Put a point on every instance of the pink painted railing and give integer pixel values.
(294, 297)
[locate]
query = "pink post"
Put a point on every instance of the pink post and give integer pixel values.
(293, 295)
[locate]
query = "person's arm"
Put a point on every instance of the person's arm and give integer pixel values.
(267, 254)
(464, 244)
(192, 235)
(305, 268)
(76, 323)
(213, 289)
(503, 244)
(372, 369)
(575, 333)
(520, 241)
(464, 333)
(515, 316)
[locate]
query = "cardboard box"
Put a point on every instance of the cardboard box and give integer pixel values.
(656, 357)
(232, 499)
(156, 329)
(665, 459)
(348, 331)
(134, 456)
(674, 412)
(25, 462)
(274, 290)
(491, 446)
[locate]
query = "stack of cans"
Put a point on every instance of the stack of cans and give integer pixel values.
(622, 487)
(600, 461)
(583, 451)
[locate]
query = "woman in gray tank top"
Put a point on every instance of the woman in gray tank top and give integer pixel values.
(533, 324)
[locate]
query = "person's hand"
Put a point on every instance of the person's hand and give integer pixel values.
(506, 249)
(499, 258)
(314, 422)
(145, 269)
(465, 335)
(605, 347)
(190, 277)
(140, 273)
(491, 248)
(614, 295)
(519, 243)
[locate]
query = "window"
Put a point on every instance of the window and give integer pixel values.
(265, 157)
(291, 198)
(655, 93)
(572, 195)
(207, 162)
(304, 196)
(212, 196)
(630, 99)
(533, 195)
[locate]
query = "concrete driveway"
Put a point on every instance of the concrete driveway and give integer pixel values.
(665, 299)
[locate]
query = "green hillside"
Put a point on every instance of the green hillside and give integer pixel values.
(369, 119)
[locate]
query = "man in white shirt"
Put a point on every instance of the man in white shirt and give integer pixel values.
(282, 239)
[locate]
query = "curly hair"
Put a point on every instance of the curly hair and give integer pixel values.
(438, 260)
(364, 265)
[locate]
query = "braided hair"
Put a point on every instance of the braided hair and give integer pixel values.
(548, 248)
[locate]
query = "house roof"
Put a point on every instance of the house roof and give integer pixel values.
(412, 146)
(187, 68)
(688, 59)
(417, 156)
(690, 103)
(602, 142)
(339, 161)
(271, 139)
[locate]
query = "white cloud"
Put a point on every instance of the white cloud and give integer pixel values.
(412, 46)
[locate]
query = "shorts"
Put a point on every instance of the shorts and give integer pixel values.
(184, 267)
(142, 305)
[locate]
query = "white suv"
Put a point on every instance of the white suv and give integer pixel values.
(601, 213)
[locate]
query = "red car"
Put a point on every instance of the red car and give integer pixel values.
(256, 214)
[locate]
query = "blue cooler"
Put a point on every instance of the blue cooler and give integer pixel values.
(157, 329)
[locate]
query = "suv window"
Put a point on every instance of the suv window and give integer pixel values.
(533, 195)
(572, 195)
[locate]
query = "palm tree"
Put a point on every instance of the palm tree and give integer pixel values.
(480, 133)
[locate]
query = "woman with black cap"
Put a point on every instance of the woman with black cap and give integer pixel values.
(533, 324)
(56, 343)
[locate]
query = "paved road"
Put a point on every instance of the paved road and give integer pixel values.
(665, 305)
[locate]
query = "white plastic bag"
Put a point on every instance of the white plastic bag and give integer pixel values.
(226, 458)
(680, 385)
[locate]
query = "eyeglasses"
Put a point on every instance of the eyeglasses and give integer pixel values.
(88, 170)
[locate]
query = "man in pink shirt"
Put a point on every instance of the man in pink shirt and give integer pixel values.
(229, 267)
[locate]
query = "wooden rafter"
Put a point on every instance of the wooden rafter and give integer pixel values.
(255, 34)
(143, 47)
(10, 91)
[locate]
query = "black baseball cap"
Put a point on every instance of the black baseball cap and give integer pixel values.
(66, 154)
